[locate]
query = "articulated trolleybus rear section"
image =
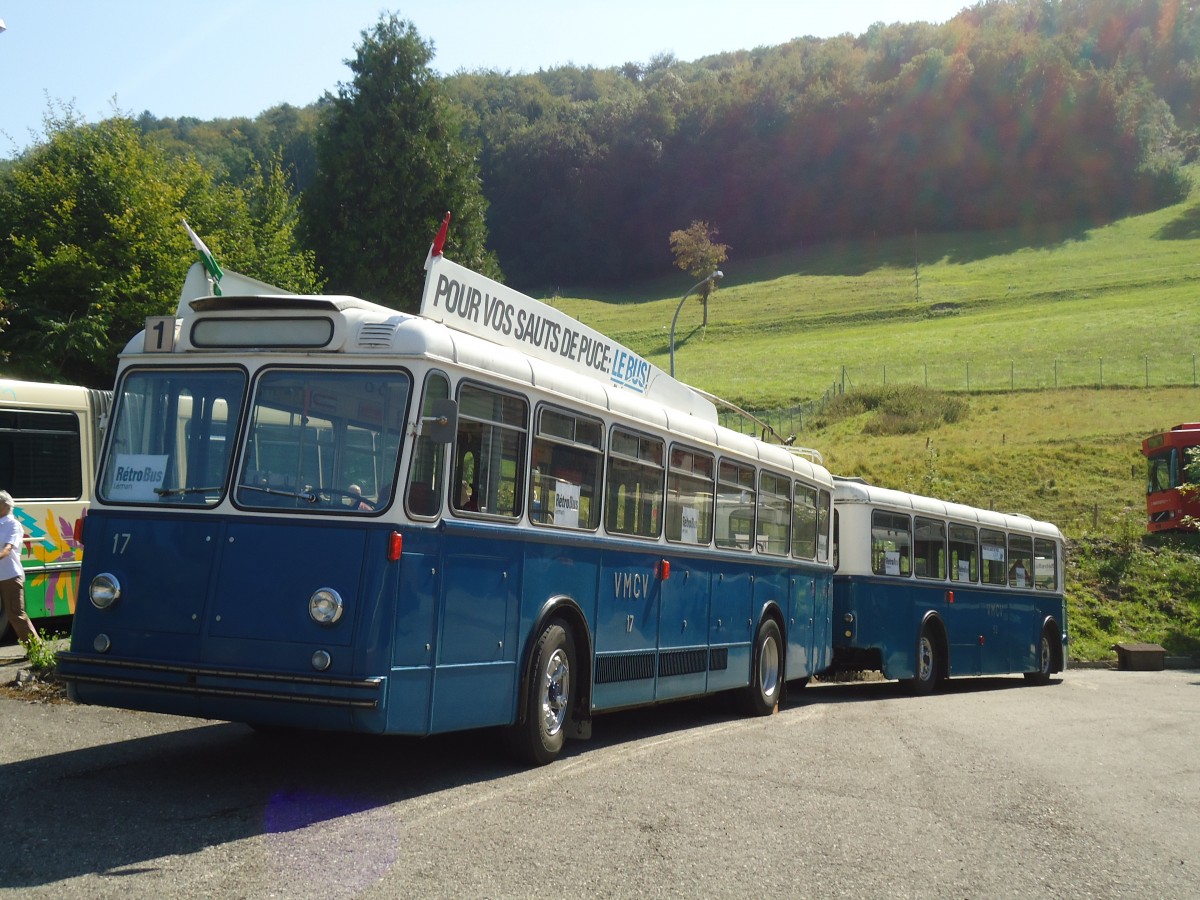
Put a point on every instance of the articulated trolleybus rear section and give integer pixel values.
(926, 589)
(319, 512)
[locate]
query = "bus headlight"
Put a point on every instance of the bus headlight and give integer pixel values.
(325, 606)
(104, 590)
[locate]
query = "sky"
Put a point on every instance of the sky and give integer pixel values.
(226, 58)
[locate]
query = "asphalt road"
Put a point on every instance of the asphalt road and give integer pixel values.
(1089, 787)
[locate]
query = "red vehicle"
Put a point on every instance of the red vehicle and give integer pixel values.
(1166, 463)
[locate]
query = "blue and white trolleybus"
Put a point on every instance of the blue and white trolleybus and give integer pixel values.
(926, 589)
(316, 511)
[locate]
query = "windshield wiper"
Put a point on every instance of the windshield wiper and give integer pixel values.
(306, 496)
(168, 492)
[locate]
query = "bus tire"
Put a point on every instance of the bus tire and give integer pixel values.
(762, 695)
(925, 674)
(539, 739)
(1045, 661)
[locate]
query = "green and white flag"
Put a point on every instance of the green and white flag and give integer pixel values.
(210, 262)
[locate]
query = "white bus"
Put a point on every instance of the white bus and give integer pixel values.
(49, 438)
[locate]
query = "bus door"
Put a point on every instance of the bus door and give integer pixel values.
(475, 677)
(418, 587)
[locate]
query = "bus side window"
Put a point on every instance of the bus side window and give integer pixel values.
(426, 478)
(1045, 565)
(774, 514)
(964, 553)
(804, 522)
(489, 452)
(823, 508)
(929, 548)
(690, 496)
(568, 461)
(992, 551)
(636, 474)
(891, 543)
(735, 505)
(1020, 557)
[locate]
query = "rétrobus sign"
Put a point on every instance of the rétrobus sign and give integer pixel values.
(470, 302)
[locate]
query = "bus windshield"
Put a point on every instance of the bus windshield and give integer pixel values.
(323, 440)
(1160, 473)
(169, 436)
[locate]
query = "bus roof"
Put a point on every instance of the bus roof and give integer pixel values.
(1186, 434)
(854, 490)
(15, 393)
(353, 326)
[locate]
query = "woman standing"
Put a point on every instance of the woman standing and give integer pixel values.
(12, 573)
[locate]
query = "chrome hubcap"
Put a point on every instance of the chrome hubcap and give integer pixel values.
(925, 659)
(556, 689)
(768, 667)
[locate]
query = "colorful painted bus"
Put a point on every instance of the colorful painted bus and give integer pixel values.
(49, 437)
(319, 512)
(1167, 508)
(925, 589)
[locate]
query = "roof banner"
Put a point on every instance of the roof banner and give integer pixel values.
(473, 303)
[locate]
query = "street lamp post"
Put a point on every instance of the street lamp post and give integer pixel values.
(715, 276)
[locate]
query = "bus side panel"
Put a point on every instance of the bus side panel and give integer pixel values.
(968, 630)
(628, 597)
(50, 557)
(731, 624)
(802, 625)
(883, 619)
(823, 624)
(475, 672)
(773, 587)
(684, 660)
(410, 686)
(1027, 615)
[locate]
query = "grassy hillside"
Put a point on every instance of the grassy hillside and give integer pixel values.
(1020, 373)
(995, 312)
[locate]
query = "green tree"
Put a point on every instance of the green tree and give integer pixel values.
(698, 254)
(391, 160)
(91, 243)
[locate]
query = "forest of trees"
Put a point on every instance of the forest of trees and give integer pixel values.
(1014, 112)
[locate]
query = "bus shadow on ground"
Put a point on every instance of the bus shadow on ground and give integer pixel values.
(118, 809)
(115, 809)
(858, 691)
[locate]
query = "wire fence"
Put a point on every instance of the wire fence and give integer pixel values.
(984, 376)
(1166, 370)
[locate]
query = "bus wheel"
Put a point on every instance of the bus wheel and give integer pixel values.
(926, 675)
(766, 671)
(1045, 662)
(540, 738)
